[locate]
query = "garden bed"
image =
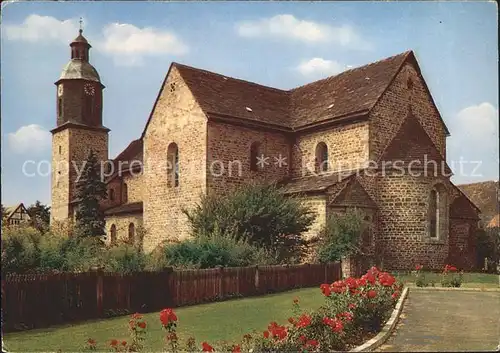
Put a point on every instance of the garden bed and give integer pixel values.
(355, 310)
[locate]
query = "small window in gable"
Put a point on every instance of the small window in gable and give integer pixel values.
(131, 233)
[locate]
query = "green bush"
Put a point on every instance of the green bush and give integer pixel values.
(216, 249)
(259, 212)
(20, 251)
(68, 254)
(341, 236)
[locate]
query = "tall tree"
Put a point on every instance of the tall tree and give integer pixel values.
(40, 216)
(91, 189)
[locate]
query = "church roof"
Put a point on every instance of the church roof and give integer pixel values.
(353, 92)
(315, 183)
(79, 69)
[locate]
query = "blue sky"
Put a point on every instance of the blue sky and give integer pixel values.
(281, 44)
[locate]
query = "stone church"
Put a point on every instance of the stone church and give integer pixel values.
(370, 137)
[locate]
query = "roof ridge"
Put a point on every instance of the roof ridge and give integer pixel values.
(229, 77)
(403, 54)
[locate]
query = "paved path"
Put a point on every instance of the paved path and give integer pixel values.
(454, 321)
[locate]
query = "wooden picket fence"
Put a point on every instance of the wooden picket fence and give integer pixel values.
(34, 301)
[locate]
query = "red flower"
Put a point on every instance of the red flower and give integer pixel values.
(362, 281)
(236, 349)
(124, 343)
(312, 343)
(167, 316)
(137, 316)
(418, 267)
(346, 315)
(371, 294)
(91, 342)
(142, 324)
(352, 283)
(277, 331)
(335, 324)
(113, 343)
(206, 347)
(266, 334)
(304, 321)
(351, 306)
(395, 295)
(325, 288)
(302, 338)
(386, 279)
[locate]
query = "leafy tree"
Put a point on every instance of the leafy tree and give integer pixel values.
(40, 216)
(342, 236)
(259, 212)
(90, 191)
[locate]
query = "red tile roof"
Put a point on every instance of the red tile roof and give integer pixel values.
(133, 207)
(353, 91)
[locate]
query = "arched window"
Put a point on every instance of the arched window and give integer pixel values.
(113, 234)
(125, 193)
(321, 157)
(437, 212)
(131, 233)
(59, 107)
(172, 165)
(254, 154)
(112, 194)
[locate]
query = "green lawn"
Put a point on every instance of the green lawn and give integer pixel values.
(470, 280)
(228, 320)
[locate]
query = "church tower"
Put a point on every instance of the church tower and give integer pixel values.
(78, 128)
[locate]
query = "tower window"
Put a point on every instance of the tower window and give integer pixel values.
(113, 234)
(60, 149)
(125, 193)
(59, 107)
(172, 165)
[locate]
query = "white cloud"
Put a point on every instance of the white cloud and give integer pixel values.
(29, 138)
(478, 121)
(36, 28)
(287, 26)
(474, 143)
(128, 43)
(320, 67)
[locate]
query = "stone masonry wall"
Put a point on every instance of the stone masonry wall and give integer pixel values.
(388, 114)
(122, 223)
(462, 253)
(347, 149)
(176, 118)
(316, 204)
(228, 159)
(70, 148)
(403, 221)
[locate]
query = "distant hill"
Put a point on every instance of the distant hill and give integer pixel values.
(486, 196)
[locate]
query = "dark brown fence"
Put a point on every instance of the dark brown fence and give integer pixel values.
(33, 301)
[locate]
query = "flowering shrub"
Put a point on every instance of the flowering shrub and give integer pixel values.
(353, 308)
(451, 277)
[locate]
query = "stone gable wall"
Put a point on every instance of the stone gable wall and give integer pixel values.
(317, 204)
(390, 111)
(177, 118)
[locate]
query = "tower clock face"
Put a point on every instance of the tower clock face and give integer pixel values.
(89, 89)
(60, 90)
